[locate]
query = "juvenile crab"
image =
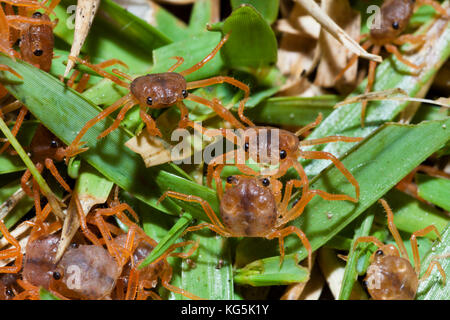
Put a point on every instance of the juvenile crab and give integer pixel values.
(161, 90)
(253, 207)
(394, 18)
(390, 275)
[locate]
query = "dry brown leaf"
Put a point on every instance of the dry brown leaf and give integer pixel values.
(328, 24)
(11, 202)
(20, 233)
(297, 49)
(309, 290)
(333, 270)
(72, 222)
(334, 57)
(85, 13)
(154, 150)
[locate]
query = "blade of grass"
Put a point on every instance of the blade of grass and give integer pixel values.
(269, 272)
(350, 274)
(212, 276)
(432, 288)
(170, 238)
(13, 209)
(435, 190)
(296, 111)
(47, 295)
(45, 189)
(411, 214)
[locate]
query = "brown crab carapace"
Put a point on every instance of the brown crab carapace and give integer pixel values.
(36, 42)
(394, 17)
(253, 207)
(390, 275)
(45, 148)
(162, 90)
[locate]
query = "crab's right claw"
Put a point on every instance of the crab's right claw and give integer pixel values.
(72, 151)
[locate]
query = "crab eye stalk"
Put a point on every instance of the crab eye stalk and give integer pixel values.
(185, 93)
(149, 101)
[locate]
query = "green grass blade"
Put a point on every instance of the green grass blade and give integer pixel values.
(47, 295)
(296, 111)
(269, 272)
(212, 275)
(434, 190)
(411, 214)
(350, 274)
(21, 208)
(170, 238)
(432, 288)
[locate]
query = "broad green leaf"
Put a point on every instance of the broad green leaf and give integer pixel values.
(268, 8)
(201, 15)
(252, 43)
(192, 49)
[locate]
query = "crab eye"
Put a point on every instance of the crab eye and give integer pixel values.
(54, 144)
(246, 147)
(184, 93)
(37, 14)
(230, 179)
(149, 101)
(395, 25)
(379, 252)
(38, 52)
(265, 182)
(283, 154)
(9, 292)
(56, 275)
